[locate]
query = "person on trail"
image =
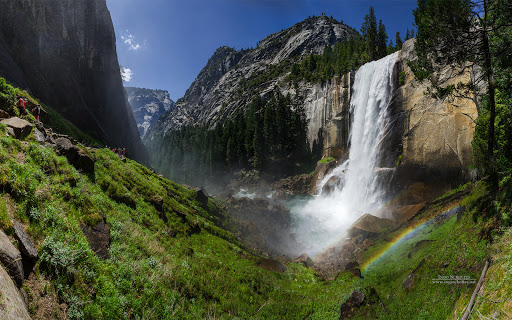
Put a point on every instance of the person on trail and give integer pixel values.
(124, 152)
(21, 104)
(37, 112)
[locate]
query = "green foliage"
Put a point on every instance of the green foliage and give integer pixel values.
(460, 33)
(326, 160)
(345, 56)
(265, 137)
(336, 61)
(5, 220)
(503, 135)
(178, 264)
(7, 95)
(401, 78)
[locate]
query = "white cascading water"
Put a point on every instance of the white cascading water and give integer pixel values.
(323, 220)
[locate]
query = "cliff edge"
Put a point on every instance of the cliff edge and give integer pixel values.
(65, 53)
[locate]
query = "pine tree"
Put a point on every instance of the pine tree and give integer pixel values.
(369, 32)
(398, 41)
(382, 41)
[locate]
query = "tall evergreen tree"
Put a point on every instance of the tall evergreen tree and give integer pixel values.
(398, 41)
(382, 41)
(369, 32)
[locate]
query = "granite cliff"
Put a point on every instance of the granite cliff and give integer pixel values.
(429, 139)
(65, 53)
(148, 105)
(232, 78)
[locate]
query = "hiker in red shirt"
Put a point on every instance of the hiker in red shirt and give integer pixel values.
(21, 106)
(24, 113)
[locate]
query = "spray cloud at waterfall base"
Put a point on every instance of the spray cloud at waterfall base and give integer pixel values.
(321, 222)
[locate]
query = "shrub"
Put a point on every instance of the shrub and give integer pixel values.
(7, 95)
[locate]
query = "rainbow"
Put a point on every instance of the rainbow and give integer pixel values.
(405, 234)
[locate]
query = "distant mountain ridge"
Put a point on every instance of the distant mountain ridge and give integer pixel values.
(232, 78)
(148, 105)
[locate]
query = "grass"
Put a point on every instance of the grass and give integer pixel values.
(181, 263)
(326, 160)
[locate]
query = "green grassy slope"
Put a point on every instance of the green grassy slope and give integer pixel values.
(180, 264)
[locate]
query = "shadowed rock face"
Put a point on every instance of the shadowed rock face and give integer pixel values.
(65, 53)
(433, 136)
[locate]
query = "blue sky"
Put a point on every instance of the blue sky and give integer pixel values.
(164, 44)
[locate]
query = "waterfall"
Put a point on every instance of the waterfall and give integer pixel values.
(358, 187)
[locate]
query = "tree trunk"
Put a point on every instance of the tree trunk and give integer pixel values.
(491, 167)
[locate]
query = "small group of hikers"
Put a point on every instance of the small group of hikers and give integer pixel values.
(22, 107)
(119, 151)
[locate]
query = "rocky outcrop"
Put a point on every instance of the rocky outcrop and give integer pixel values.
(75, 155)
(20, 127)
(148, 105)
(64, 52)
(98, 237)
(10, 258)
(369, 226)
(12, 304)
(327, 107)
(223, 87)
(434, 135)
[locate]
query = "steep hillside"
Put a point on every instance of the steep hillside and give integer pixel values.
(114, 240)
(147, 106)
(232, 78)
(65, 53)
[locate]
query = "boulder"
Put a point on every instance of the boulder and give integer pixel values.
(358, 298)
(279, 195)
(27, 247)
(331, 184)
(322, 169)
(98, 238)
(409, 282)
(4, 114)
(76, 156)
(10, 258)
(298, 185)
(271, 265)
(368, 226)
(407, 212)
(202, 197)
(10, 132)
(40, 137)
(158, 203)
(20, 127)
(305, 260)
(355, 300)
(354, 268)
(12, 304)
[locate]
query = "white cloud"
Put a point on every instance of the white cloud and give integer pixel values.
(129, 40)
(126, 74)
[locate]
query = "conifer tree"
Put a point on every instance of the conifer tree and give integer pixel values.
(369, 32)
